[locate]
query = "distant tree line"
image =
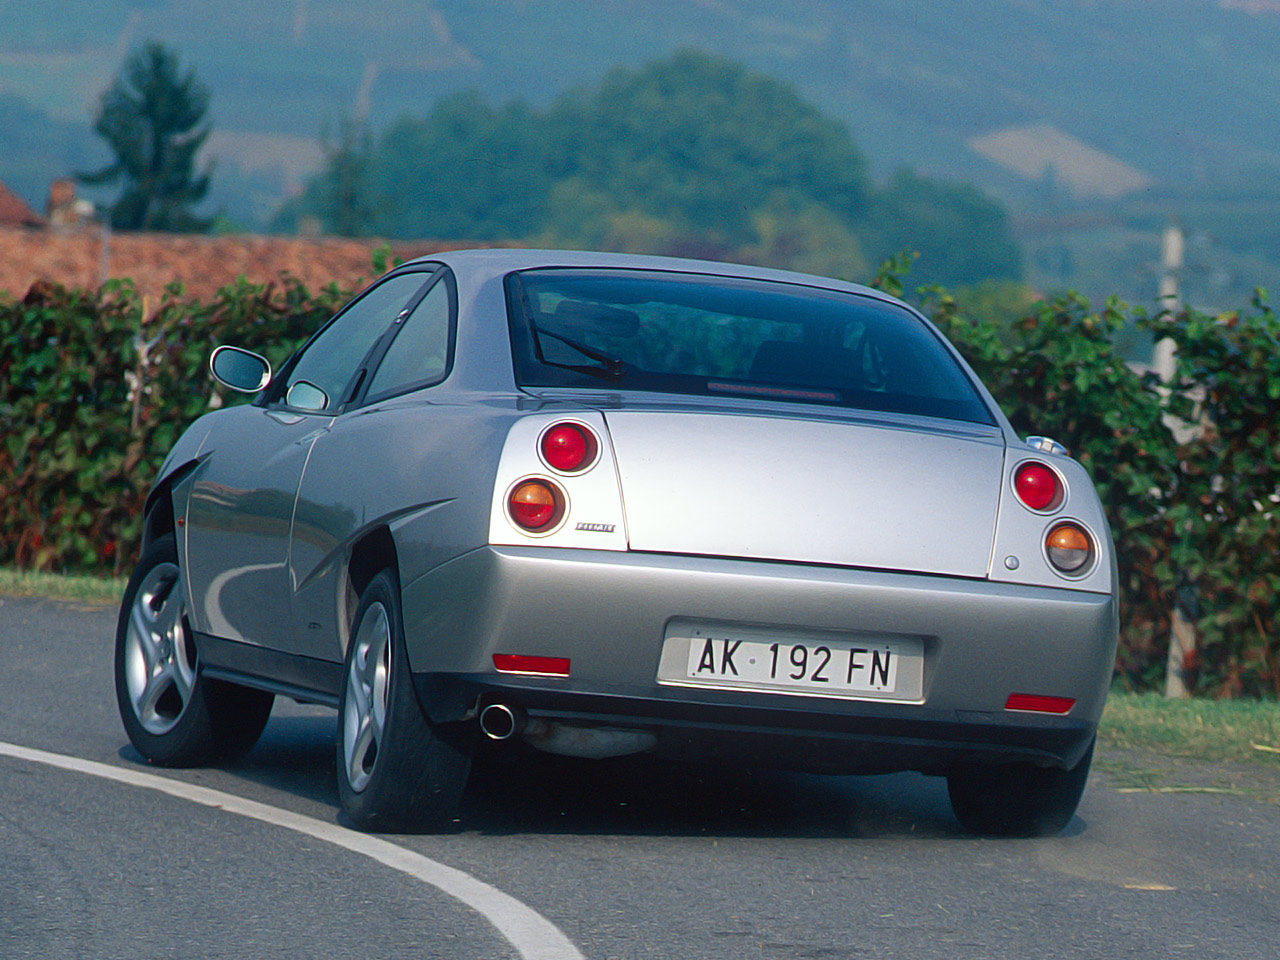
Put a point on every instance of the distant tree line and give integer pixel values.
(692, 154)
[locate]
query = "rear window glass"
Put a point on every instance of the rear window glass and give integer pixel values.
(689, 333)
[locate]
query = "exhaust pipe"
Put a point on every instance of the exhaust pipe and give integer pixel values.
(500, 722)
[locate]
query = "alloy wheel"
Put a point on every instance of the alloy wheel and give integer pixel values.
(364, 716)
(159, 658)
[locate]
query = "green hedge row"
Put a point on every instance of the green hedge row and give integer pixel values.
(96, 386)
(1189, 472)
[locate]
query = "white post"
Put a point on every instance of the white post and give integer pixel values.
(1171, 248)
(1182, 631)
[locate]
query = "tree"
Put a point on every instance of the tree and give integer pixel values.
(706, 144)
(960, 234)
(151, 117)
(692, 154)
(346, 202)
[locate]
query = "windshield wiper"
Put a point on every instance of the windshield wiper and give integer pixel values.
(612, 369)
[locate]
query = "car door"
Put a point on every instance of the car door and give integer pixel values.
(376, 446)
(242, 504)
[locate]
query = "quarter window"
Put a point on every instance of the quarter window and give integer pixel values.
(328, 367)
(419, 354)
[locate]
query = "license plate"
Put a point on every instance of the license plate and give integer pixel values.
(755, 658)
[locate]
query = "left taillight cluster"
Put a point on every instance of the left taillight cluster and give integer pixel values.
(539, 504)
(1068, 545)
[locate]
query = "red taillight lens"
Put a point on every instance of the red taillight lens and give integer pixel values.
(535, 505)
(1037, 486)
(569, 447)
(1039, 704)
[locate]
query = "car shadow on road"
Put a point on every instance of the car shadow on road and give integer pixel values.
(295, 756)
(518, 790)
(515, 789)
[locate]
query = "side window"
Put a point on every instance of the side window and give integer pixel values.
(319, 380)
(419, 354)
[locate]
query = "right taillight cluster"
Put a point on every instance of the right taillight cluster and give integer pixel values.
(1068, 546)
(537, 505)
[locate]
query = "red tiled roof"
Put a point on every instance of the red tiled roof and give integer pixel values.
(14, 212)
(202, 264)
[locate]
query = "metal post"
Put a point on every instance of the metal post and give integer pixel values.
(1182, 628)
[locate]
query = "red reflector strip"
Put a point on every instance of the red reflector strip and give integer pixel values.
(1038, 704)
(535, 666)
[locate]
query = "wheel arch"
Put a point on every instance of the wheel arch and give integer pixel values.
(374, 552)
(159, 517)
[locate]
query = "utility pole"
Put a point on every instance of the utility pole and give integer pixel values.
(1171, 250)
(1182, 628)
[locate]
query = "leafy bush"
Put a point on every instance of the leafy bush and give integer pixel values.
(1225, 523)
(1057, 374)
(95, 389)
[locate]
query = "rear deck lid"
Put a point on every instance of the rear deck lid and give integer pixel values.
(849, 492)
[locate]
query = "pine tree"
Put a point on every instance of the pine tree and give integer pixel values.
(151, 117)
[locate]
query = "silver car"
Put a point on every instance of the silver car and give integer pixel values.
(611, 504)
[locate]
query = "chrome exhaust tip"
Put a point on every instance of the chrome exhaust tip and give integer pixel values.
(500, 722)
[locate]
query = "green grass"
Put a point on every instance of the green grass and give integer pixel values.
(22, 583)
(1240, 730)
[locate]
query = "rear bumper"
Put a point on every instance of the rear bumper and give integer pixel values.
(758, 729)
(607, 612)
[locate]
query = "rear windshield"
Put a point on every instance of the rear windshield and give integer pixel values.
(704, 335)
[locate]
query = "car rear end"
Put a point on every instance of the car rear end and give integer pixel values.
(773, 522)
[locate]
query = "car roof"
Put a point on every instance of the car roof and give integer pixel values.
(483, 264)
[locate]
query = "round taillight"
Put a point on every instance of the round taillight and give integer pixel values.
(1037, 486)
(1068, 547)
(569, 447)
(535, 505)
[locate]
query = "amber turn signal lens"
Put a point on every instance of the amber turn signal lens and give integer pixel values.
(1037, 486)
(1069, 547)
(569, 447)
(535, 505)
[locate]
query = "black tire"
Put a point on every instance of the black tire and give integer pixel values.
(397, 772)
(174, 716)
(1017, 799)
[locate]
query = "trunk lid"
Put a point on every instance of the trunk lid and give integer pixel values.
(849, 492)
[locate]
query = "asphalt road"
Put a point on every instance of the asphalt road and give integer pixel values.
(628, 859)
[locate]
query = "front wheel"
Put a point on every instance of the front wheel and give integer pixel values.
(397, 772)
(1017, 799)
(173, 715)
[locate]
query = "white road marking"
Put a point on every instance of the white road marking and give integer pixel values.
(533, 936)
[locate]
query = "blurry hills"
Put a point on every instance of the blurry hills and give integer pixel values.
(1090, 119)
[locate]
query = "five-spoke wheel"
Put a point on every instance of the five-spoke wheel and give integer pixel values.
(397, 771)
(173, 715)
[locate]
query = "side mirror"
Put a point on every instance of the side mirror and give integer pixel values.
(239, 370)
(305, 395)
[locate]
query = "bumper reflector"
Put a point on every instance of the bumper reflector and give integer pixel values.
(1037, 704)
(531, 666)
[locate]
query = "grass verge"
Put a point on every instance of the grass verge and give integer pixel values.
(23, 583)
(1239, 730)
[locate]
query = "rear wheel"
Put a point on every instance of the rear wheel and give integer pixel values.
(173, 715)
(397, 772)
(1017, 799)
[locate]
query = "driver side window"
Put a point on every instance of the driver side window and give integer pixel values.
(323, 375)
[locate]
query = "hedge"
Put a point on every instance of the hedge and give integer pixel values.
(95, 386)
